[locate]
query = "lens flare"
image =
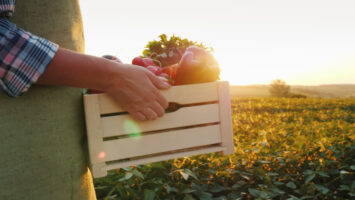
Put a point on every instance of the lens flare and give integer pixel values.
(132, 129)
(102, 155)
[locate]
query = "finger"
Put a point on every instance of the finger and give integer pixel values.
(138, 116)
(161, 100)
(159, 82)
(157, 108)
(149, 113)
(164, 77)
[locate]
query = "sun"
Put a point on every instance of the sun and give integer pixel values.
(238, 73)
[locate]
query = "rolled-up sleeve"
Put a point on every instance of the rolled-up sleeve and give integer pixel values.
(23, 58)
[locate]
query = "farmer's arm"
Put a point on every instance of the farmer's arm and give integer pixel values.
(133, 87)
(24, 57)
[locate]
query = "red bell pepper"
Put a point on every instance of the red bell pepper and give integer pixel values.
(196, 66)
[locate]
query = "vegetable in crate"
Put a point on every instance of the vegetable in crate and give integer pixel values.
(170, 71)
(150, 64)
(184, 60)
(196, 66)
(145, 62)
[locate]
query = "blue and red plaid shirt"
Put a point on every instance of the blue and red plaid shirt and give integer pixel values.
(23, 56)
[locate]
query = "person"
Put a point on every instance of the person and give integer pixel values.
(43, 150)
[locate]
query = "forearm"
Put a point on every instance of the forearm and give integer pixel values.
(134, 88)
(78, 70)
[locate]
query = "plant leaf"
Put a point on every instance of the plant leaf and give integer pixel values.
(322, 189)
(344, 172)
(171, 189)
(291, 185)
(217, 188)
(127, 176)
(344, 187)
(277, 190)
(149, 194)
(309, 178)
(189, 197)
(247, 178)
(254, 192)
(137, 173)
(323, 174)
(184, 175)
(264, 161)
(308, 172)
(205, 196)
(293, 198)
(220, 198)
(272, 174)
(188, 190)
(190, 173)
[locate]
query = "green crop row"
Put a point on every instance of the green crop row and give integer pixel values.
(285, 149)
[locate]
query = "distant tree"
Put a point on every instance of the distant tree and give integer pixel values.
(299, 96)
(278, 88)
(169, 51)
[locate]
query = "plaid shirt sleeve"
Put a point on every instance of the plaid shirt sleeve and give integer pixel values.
(23, 56)
(7, 5)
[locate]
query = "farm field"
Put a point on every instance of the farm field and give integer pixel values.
(320, 91)
(285, 149)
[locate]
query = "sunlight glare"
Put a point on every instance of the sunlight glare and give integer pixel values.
(132, 129)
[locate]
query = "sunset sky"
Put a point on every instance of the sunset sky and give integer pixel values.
(304, 42)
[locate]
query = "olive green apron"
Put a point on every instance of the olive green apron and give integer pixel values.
(43, 149)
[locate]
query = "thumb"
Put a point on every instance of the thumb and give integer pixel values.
(159, 82)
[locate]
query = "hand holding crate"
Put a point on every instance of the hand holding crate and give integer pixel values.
(202, 125)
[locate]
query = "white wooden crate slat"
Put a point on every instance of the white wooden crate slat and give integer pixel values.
(94, 129)
(183, 94)
(187, 116)
(225, 114)
(168, 141)
(177, 134)
(164, 157)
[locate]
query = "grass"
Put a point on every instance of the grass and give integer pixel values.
(285, 149)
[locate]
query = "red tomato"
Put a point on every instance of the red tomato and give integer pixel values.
(148, 62)
(138, 61)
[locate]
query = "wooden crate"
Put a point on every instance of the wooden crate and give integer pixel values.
(202, 125)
